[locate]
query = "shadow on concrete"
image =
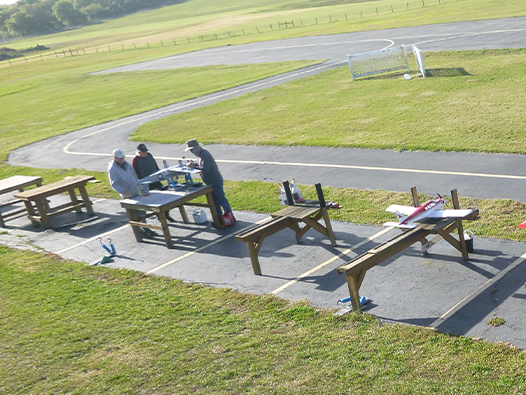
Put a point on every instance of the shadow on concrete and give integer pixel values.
(483, 304)
(411, 321)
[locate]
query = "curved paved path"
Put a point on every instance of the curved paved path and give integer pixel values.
(474, 175)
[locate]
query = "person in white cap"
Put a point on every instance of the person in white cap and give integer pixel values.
(124, 181)
(210, 175)
(122, 175)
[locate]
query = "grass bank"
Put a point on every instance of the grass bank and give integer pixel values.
(472, 101)
(68, 328)
(41, 100)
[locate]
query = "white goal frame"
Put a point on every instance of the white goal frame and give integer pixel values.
(419, 57)
(377, 62)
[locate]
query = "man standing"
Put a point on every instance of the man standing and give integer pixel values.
(210, 175)
(124, 181)
(144, 164)
(122, 176)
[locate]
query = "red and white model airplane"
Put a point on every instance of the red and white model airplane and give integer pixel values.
(522, 225)
(408, 216)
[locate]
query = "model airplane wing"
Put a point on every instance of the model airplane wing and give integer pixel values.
(522, 225)
(451, 213)
(169, 172)
(399, 225)
(406, 210)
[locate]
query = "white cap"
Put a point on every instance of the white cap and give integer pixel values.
(117, 153)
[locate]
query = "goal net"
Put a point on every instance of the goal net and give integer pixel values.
(378, 62)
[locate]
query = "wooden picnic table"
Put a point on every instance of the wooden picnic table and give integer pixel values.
(39, 195)
(15, 183)
(289, 217)
(356, 269)
(158, 203)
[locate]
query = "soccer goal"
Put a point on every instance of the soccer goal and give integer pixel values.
(378, 62)
(419, 57)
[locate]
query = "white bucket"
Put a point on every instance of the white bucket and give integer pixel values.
(199, 216)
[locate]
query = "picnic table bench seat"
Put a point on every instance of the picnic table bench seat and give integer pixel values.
(288, 217)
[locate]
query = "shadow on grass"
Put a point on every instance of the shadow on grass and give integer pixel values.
(449, 72)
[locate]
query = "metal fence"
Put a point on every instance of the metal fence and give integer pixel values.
(262, 29)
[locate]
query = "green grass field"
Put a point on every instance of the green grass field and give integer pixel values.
(68, 328)
(472, 102)
(71, 329)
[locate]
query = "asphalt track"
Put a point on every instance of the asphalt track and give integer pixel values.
(473, 175)
(438, 290)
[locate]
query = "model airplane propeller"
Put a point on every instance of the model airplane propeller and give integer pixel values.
(409, 216)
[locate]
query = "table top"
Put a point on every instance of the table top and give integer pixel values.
(163, 198)
(17, 182)
(55, 187)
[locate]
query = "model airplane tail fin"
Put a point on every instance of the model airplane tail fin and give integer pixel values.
(401, 217)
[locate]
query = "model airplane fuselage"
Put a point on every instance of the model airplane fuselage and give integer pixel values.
(409, 216)
(168, 173)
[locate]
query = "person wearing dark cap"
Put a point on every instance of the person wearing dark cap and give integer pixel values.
(210, 175)
(144, 164)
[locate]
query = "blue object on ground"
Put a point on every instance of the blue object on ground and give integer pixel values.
(363, 300)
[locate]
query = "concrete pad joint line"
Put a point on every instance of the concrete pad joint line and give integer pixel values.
(91, 239)
(477, 292)
(202, 248)
(321, 265)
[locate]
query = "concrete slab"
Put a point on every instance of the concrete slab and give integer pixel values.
(438, 290)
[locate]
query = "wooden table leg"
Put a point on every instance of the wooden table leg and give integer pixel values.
(213, 210)
(166, 230)
(31, 212)
(41, 207)
(74, 200)
(184, 215)
(463, 248)
(85, 199)
(136, 229)
(328, 226)
(353, 292)
(254, 257)
(46, 204)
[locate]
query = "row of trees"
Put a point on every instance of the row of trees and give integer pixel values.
(40, 16)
